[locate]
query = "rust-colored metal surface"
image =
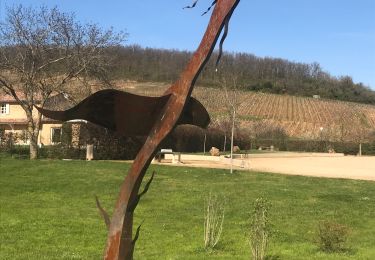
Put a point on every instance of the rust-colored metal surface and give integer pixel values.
(159, 117)
(120, 242)
(126, 113)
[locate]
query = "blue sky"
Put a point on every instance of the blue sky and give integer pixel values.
(338, 34)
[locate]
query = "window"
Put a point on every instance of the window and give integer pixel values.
(4, 109)
(55, 135)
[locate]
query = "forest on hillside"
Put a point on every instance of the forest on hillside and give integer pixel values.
(269, 75)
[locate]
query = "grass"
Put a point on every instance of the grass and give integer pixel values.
(48, 211)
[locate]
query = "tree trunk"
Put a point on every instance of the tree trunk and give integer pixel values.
(225, 142)
(231, 142)
(33, 148)
(33, 132)
(204, 144)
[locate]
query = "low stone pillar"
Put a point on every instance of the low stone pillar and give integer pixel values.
(89, 152)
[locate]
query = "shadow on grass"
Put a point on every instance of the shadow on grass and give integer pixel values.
(220, 248)
(348, 251)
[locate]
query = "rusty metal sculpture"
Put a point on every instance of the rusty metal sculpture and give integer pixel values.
(130, 114)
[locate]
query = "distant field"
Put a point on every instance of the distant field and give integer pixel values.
(301, 117)
(48, 211)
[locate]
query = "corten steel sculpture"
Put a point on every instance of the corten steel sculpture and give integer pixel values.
(131, 115)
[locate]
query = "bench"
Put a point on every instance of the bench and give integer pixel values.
(266, 148)
(168, 151)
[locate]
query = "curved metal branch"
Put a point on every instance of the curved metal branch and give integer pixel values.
(191, 6)
(226, 28)
(120, 233)
(209, 8)
(135, 238)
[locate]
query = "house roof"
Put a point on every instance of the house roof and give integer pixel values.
(5, 98)
(12, 121)
(58, 101)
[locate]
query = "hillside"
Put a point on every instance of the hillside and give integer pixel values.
(252, 73)
(299, 117)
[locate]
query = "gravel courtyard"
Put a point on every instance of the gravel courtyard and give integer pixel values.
(348, 167)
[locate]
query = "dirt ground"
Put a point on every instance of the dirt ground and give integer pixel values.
(347, 167)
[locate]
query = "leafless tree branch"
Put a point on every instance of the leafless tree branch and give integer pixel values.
(42, 50)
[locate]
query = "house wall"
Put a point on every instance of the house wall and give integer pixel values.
(17, 114)
(45, 133)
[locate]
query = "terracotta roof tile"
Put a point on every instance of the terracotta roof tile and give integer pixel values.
(5, 121)
(5, 98)
(12, 121)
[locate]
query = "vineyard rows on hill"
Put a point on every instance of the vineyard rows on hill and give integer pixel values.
(300, 117)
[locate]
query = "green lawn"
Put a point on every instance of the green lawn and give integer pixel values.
(48, 211)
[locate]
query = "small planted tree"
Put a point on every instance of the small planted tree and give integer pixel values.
(213, 221)
(229, 83)
(260, 229)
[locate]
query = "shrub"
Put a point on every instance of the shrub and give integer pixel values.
(61, 152)
(19, 151)
(213, 221)
(8, 140)
(332, 236)
(259, 229)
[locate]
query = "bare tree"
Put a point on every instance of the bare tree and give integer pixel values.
(229, 84)
(363, 133)
(41, 51)
(225, 125)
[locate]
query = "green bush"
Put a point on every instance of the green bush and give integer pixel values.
(18, 151)
(332, 236)
(61, 152)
